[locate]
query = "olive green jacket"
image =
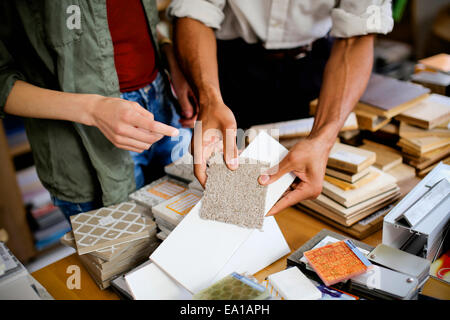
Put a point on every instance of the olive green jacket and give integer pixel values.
(74, 162)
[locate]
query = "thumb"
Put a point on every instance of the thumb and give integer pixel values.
(274, 173)
(187, 110)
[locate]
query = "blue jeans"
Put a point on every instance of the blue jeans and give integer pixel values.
(148, 165)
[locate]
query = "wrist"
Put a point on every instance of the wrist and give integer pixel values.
(89, 101)
(325, 135)
(209, 98)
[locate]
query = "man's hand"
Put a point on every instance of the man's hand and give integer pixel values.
(126, 124)
(186, 98)
(307, 160)
(215, 122)
(183, 91)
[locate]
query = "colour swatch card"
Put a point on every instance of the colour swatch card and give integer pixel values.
(197, 250)
(108, 226)
(158, 191)
(337, 262)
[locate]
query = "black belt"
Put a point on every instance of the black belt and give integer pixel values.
(287, 54)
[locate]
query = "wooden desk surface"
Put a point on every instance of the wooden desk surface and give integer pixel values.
(296, 226)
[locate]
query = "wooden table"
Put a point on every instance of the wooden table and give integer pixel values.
(296, 226)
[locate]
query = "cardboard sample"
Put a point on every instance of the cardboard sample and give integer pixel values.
(386, 158)
(235, 197)
(388, 97)
(292, 284)
(350, 159)
(102, 228)
(198, 249)
(384, 182)
(409, 131)
(349, 186)
(428, 158)
(428, 113)
(419, 146)
(173, 210)
(349, 216)
(158, 191)
(345, 176)
(402, 172)
(439, 62)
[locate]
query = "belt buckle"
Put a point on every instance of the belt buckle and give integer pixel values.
(303, 54)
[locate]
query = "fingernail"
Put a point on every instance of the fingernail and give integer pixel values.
(175, 133)
(234, 163)
(263, 179)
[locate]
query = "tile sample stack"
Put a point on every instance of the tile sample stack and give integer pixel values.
(353, 189)
(169, 213)
(158, 191)
(112, 240)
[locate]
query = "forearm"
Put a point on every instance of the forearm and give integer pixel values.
(345, 78)
(196, 49)
(29, 101)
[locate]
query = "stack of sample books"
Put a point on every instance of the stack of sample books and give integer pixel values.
(434, 73)
(383, 99)
(112, 240)
(424, 133)
(353, 188)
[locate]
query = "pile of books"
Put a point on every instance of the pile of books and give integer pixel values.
(425, 133)
(47, 223)
(434, 73)
(353, 189)
(112, 240)
(383, 99)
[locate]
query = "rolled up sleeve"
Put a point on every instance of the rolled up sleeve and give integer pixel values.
(8, 76)
(209, 12)
(361, 17)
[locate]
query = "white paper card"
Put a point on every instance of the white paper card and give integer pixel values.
(292, 284)
(151, 283)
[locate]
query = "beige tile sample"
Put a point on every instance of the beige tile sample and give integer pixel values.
(102, 228)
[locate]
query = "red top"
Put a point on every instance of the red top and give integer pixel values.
(134, 55)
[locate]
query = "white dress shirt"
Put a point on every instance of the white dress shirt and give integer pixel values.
(282, 24)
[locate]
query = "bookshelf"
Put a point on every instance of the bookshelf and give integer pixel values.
(12, 210)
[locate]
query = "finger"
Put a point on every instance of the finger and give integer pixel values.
(187, 123)
(144, 119)
(133, 143)
(128, 148)
(230, 147)
(164, 129)
(291, 198)
(275, 173)
(141, 135)
(187, 110)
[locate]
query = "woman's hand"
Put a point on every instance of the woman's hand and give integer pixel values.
(126, 124)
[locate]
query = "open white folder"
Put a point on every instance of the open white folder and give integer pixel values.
(199, 252)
